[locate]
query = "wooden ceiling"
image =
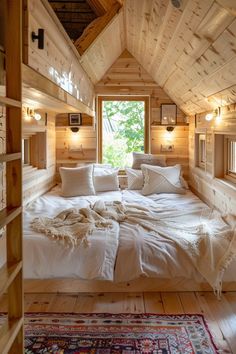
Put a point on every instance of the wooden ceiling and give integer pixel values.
(75, 15)
(189, 51)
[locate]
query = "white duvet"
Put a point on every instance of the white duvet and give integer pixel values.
(127, 255)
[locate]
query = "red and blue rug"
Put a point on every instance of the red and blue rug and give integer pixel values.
(117, 333)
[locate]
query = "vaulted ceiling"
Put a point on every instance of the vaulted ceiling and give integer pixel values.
(189, 51)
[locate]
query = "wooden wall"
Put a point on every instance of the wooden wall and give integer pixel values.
(59, 60)
(127, 77)
(217, 193)
(38, 181)
(73, 148)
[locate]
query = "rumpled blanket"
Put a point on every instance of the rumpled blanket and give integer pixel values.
(210, 243)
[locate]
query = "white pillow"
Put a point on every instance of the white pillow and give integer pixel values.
(148, 159)
(162, 179)
(135, 178)
(77, 181)
(106, 179)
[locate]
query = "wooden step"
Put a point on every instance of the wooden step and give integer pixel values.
(8, 333)
(8, 214)
(9, 102)
(7, 275)
(10, 157)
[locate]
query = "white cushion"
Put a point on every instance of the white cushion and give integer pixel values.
(162, 179)
(135, 178)
(106, 179)
(77, 181)
(148, 159)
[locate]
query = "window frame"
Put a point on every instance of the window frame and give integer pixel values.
(200, 135)
(201, 138)
(231, 176)
(145, 99)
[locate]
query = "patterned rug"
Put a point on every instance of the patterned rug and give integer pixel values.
(112, 334)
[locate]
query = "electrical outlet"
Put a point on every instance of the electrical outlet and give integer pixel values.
(166, 148)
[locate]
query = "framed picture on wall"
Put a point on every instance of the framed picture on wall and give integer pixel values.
(75, 118)
(168, 114)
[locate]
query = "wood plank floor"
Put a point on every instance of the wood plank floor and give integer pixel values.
(220, 315)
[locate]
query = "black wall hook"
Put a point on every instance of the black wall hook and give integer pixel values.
(39, 37)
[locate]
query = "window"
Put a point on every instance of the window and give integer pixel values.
(25, 152)
(200, 146)
(123, 126)
(230, 157)
(202, 150)
(34, 151)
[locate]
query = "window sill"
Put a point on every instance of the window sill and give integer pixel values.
(226, 183)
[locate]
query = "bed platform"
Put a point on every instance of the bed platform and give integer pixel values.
(137, 285)
(132, 260)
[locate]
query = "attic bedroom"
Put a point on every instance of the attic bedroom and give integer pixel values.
(118, 176)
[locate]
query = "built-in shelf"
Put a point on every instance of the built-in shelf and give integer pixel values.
(8, 333)
(10, 102)
(168, 125)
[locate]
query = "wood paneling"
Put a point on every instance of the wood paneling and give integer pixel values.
(58, 61)
(127, 77)
(105, 49)
(74, 148)
(37, 181)
(190, 52)
(213, 190)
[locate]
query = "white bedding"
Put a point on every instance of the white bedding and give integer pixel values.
(132, 254)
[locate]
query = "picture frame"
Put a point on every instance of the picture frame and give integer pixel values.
(75, 119)
(168, 114)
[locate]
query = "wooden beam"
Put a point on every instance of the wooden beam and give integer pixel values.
(100, 7)
(95, 28)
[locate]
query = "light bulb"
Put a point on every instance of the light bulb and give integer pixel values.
(37, 116)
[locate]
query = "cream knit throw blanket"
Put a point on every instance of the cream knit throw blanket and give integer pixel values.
(210, 243)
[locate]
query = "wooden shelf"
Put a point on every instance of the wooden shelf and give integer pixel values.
(10, 102)
(7, 215)
(8, 333)
(10, 157)
(8, 274)
(170, 125)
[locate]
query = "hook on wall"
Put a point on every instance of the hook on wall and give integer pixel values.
(39, 37)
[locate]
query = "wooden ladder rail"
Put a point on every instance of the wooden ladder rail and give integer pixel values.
(11, 277)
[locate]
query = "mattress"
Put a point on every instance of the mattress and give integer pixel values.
(131, 254)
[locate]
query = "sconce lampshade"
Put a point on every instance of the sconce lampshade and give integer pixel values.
(170, 129)
(74, 129)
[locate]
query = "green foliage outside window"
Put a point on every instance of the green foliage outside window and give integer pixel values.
(123, 131)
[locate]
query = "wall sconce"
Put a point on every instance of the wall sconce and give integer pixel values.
(209, 117)
(169, 131)
(218, 115)
(39, 37)
(29, 114)
(74, 129)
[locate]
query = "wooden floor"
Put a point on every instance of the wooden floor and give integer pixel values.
(220, 315)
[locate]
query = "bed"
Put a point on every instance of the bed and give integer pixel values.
(132, 260)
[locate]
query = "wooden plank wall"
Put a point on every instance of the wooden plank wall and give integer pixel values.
(57, 61)
(38, 181)
(127, 77)
(85, 143)
(214, 191)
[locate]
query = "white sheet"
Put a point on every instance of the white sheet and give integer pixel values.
(134, 254)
